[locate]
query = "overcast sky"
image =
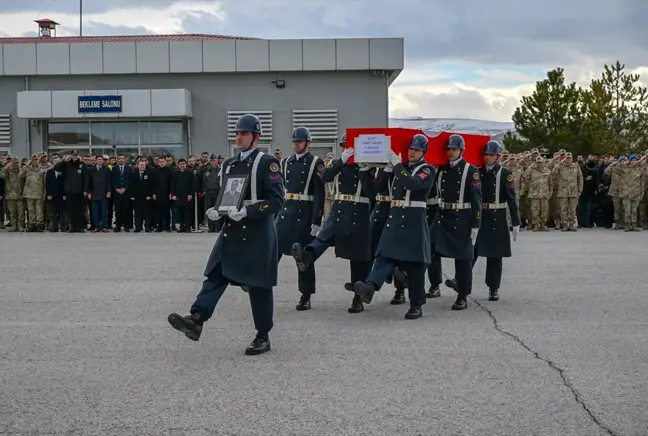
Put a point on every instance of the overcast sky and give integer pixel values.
(464, 58)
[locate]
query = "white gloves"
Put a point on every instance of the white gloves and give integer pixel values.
(364, 167)
(346, 154)
(238, 215)
(473, 235)
(516, 232)
(394, 159)
(212, 214)
(315, 229)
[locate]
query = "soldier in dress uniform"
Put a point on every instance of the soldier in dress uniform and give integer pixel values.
(245, 253)
(454, 231)
(498, 196)
(301, 218)
(405, 239)
(434, 273)
(347, 228)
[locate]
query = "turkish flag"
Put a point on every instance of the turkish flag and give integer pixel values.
(436, 155)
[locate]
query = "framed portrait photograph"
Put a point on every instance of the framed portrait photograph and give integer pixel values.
(232, 193)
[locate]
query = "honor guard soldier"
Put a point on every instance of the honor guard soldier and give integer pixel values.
(454, 231)
(493, 240)
(301, 218)
(405, 240)
(245, 253)
(347, 227)
(434, 274)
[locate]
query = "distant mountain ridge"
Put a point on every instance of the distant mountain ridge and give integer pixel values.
(495, 129)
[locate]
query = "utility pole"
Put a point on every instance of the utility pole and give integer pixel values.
(80, 17)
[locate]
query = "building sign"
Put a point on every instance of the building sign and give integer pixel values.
(100, 103)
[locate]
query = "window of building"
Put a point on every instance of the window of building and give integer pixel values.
(62, 135)
(162, 133)
(114, 134)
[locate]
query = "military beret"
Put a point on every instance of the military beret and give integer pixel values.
(75, 152)
(220, 156)
(213, 156)
(277, 150)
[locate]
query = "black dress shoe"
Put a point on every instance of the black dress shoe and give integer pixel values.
(399, 297)
(433, 292)
(451, 283)
(303, 258)
(190, 325)
(304, 303)
(400, 276)
(460, 304)
(348, 286)
(260, 345)
(356, 305)
(493, 295)
(414, 312)
(365, 291)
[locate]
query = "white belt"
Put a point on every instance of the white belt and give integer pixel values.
(299, 197)
(250, 202)
(494, 206)
(405, 203)
(433, 201)
(454, 206)
(352, 198)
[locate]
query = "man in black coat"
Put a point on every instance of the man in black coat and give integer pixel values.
(454, 231)
(54, 198)
(99, 193)
(75, 190)
(405, 240)
(590, 170)
(347, 227)
(140, 195)
(183, 188)
(245, 253)
(161, 195)
(121, 178)
(300, 219)
(494, 240)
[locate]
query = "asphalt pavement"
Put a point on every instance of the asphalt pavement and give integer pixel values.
(85, 347)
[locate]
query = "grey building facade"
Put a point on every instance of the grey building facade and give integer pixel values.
(181, 94)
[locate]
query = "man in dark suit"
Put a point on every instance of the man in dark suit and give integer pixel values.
(121, 178)
(54, 197)
(140, 195)
(232, 195)
(98, 194)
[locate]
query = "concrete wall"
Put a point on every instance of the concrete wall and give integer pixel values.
(360, 97)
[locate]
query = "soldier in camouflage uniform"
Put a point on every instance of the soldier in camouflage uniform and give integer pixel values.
(538, 185)
(615, 171)
(554, 206)
(33, 179)
(528, 158)
(13, 194)
(211, 186)
(643, 206)
(568, 185)
(518, 174)
(631, 192)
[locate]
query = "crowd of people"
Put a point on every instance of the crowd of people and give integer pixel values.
(161, 194)
(593, 191)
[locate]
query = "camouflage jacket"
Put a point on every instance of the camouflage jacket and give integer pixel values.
(568, 180)
(34, 182)
(537, 183)
(633, 183)
(13, 183)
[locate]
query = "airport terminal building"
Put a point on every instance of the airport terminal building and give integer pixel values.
(182, 94)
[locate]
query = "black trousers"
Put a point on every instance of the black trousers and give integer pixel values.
(463, 274)
(184, 215)
(494, 267)
(415, 272)
(141, 214)
(162, 215)
(306, 279)
(261, 300)
(75, 205)
(123, 212)
(359, 268)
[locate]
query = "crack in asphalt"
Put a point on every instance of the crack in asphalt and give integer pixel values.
(551, 364)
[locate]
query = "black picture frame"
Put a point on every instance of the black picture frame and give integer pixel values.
(232, 193)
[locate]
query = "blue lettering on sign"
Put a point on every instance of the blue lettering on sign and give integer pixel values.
(100, 103)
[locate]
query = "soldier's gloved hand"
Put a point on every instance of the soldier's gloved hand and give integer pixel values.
(346, 154)
(516, 232)
(212, 214)
(238, 215)
(473, 235)
(315, 229)
(394, 159)
(364, 167)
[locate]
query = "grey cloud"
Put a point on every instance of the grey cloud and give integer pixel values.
(458, 104)
(496, 32)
